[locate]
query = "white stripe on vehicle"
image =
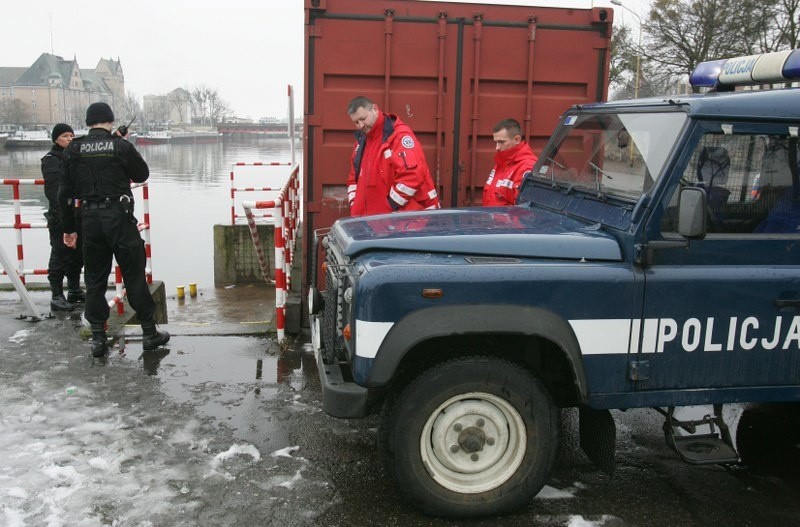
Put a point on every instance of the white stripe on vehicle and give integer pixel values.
(602, 336)
(369, 337)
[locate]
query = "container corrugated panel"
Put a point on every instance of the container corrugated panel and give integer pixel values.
(451, 71)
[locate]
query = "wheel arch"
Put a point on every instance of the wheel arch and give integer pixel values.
(536, 337)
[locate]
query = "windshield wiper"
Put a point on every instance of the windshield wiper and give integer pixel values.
(597, 173)
(553, 172)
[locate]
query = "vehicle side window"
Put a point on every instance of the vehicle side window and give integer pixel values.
(749, 183)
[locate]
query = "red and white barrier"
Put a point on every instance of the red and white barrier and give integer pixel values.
(235, 189)
(285, 209)
(18, 225)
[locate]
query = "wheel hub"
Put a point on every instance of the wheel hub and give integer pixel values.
(472, 439)
(473, 442)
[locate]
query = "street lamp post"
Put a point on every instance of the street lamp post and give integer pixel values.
(638, 45)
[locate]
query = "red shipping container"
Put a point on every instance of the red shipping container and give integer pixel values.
(450, 71)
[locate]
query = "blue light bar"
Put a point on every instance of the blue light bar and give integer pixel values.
(767, 68)
(791, 68)
(706, 73)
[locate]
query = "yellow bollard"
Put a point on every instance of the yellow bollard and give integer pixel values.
(192, 289)
(181, 293)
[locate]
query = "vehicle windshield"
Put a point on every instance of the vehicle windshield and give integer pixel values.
(618, 154)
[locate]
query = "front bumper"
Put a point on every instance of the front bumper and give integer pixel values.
(340, 398)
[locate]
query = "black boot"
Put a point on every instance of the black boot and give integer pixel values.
(152, 337)
(59, 303)
(99, 342)
(75, 294)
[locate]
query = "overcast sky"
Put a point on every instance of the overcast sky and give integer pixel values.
(249, 50)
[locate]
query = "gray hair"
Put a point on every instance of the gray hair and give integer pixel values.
(359, 102)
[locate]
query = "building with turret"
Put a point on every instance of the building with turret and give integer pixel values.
(55, 90)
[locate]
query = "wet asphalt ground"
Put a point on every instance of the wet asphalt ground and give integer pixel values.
(224, 427)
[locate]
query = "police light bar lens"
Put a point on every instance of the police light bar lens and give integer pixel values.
(781, 66)
(791, 68)
(706, 73)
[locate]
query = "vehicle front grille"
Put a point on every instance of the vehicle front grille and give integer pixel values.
(333, 314)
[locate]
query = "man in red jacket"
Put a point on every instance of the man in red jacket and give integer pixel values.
(512, 162)
(388, 171)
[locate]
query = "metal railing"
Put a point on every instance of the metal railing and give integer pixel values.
(285, 209)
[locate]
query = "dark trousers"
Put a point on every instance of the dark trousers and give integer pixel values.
(112, 232)
(63, 260)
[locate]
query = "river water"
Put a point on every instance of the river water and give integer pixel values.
(189, 193)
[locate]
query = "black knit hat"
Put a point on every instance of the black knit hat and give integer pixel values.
(59, 129)
(99, 112)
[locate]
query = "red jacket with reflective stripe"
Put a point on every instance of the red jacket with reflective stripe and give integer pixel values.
(511, 166)
(392, 172)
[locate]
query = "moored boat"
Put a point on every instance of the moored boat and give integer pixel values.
(29, 139)
(3, 138)
(161, 137)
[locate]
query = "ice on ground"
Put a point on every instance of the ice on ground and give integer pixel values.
(285, 452)
(90, 443)
(552, 493)
(235, 450)
(580, 521)
(20, 336)
(291, 482)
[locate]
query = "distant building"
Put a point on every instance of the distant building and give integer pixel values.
(55, 90)
(172, 108)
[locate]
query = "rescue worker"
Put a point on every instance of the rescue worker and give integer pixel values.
(99, 168)
(63, 260)
(512, 162)
(388, 171)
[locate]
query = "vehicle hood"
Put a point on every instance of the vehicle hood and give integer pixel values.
(516, 231)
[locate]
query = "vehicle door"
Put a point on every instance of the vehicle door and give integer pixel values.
(723, 311)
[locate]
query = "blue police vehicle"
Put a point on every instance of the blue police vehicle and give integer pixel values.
(652, 261)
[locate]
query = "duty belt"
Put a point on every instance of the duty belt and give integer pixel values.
(105, 203)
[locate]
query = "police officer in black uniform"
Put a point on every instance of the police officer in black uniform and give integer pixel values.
(63, 260)
(99, 168)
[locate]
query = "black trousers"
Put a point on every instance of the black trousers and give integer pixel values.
(63, 260)
(113, 232)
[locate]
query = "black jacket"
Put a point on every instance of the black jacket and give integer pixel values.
(98, 166)
(52, 172)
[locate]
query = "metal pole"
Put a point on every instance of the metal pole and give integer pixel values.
(291, 121)
(19, 286)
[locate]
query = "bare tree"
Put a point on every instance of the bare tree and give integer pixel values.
(207, 105)
(783, 29)
(156, 110)
(179, 105)
(623, 57)
(130, 107)
(14, 111)
(683, 33)
(198, 100)
(217, 108)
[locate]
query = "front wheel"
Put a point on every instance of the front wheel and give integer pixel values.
(470, 437)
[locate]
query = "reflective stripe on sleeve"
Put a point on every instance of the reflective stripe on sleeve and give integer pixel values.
(405, 189)
(396, 197)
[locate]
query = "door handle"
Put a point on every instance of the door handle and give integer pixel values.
(787, 302)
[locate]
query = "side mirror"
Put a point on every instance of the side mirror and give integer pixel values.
(692, 214)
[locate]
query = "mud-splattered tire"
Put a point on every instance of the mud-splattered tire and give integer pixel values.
(471, 437)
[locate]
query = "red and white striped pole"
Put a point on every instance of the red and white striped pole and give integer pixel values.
(280, 281)
(148, 250)
(233, 201)
(18, 225)
(280, 272)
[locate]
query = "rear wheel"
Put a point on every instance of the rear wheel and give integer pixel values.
(473, 436)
